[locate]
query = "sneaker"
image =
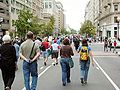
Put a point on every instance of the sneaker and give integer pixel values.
(64, 84)
(54, 64)
(68, 81)
(45, 63)
(7, 88)
(82, 81)
(85, 82)
(57, 63)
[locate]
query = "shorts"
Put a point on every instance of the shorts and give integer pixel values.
(54, 54)
(45, 54)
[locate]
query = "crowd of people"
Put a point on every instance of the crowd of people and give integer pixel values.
(29, 51)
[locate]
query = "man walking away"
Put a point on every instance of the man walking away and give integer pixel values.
(29, 52)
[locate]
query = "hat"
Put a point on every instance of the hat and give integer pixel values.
(6, 38)
(55, 41)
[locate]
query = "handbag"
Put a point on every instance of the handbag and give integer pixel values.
(71, 63)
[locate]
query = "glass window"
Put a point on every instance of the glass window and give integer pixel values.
(115, 20)
(46, 4)
(12, 10)
(50, 5)
(115, 7)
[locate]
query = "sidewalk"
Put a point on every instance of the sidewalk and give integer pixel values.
(102, 53)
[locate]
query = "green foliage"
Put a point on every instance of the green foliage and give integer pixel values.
(47, 29)
(22, 23)
(87, 28)
(27, 22)
(63, 31)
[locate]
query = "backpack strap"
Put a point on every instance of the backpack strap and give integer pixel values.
(32, 50)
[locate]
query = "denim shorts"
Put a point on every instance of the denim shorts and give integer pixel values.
(45, 54)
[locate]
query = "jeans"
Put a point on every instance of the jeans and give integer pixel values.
(30, 69)
(65, 69)
(84, 68)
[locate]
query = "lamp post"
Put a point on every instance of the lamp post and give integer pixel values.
(1, 20)
(1, 33)
(118, 20)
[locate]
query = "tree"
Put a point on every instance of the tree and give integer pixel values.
(87, 29)
(47, 28)
(22, 23)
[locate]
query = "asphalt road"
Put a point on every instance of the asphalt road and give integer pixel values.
(105, 75)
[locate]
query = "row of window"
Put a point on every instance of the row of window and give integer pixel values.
(48, 5)
(4, 1)
(19, 4)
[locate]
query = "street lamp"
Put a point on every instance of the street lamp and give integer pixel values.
(1, 20)
(1, 33)
(118, 20)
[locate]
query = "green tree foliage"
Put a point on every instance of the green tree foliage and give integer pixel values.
(27, 22)
(22, 23)
(87, 28)
(63, 31)
(47, 29)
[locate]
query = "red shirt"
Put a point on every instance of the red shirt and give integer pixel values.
(115, 44)
(46, 44)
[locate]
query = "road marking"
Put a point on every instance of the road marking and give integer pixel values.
(40, 74)
(97, 68)
(110, 80)
(41, 68)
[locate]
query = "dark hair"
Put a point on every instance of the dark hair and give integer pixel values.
(66, 41)
(84, 42)
(30, 35)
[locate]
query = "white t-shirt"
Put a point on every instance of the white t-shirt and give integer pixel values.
(55, 46)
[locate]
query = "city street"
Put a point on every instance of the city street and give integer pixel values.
(105, 75)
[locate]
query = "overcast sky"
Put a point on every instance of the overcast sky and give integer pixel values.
(74, 11)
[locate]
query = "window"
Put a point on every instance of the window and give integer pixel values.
(50, 5)
(46, 4)
(115, 7)
(115, 20)
(115, 28)
(12, 10)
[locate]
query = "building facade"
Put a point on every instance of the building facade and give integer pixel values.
(53, 8)
(35, 6)
(105, 16)
(60, 16)
(4, 17)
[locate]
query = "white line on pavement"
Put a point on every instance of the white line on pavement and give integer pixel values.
(41, 68)
(40, 74)
(97, 68)
(110, 80)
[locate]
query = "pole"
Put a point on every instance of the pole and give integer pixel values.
(118, 30)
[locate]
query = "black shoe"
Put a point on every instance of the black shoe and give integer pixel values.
(54, 64)
(7, 88)
(64, 84)
(82, 81)
(68, 81)
(85, 82)
(45, 63)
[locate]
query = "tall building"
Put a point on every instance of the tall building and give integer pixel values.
(106, 17)
(53, 8)
(35, 6)
(4, 17)
(60, 16)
